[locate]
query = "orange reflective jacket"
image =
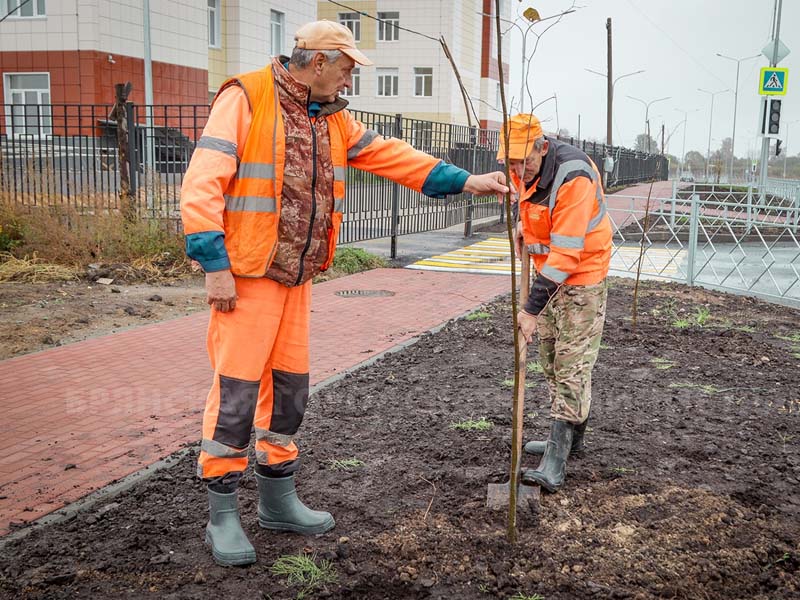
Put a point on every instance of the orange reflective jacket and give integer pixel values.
(564, 220)
(237, 191)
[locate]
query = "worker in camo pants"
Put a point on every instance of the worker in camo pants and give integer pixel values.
(563, 223)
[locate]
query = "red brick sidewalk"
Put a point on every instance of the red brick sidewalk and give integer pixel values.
(77, 417)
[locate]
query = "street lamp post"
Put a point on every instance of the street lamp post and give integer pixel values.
(646, 114)
(610, 98)
(786, 147)
(683, 149)
(524, 35)
(710, 121)
(738, 62)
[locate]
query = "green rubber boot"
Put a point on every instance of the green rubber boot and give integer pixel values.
(578, 445)
(224, 533)
(280, 509)
(552, 469)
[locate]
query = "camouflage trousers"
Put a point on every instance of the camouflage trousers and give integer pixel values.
(570, 328)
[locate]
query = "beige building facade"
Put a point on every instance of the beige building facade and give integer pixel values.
(412, 75)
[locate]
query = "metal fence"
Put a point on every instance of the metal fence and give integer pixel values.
(721, 237)
(630, 166)
(73, 156)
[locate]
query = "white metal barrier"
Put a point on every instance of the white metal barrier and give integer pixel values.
(721, 237)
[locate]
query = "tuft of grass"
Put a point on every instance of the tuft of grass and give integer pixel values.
(347, 261)
(11, 234)
(521, 596)
(668, 309)
(662, 364)
(355, 260)
(345, 464)
(606, 347)
(33, 270)
(702, 315)
(509, 383)
(794, 337)
(478, 315)
(745, 329)
(469, 425)
(535, 367)
(304, 571)
(681, 323)
(622, 470)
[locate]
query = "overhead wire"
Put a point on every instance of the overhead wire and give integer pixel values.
(439, 41)
(391, 23)
(676, 44)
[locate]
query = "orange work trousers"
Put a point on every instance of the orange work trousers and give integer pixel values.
(259, 353)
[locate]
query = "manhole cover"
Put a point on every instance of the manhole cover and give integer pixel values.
(355, 293)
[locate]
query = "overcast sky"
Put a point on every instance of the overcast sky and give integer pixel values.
(675, 42)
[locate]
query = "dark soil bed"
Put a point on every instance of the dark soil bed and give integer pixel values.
(689, 488)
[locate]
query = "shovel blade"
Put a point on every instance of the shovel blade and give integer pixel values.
(497, 495)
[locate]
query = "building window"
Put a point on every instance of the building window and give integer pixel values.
(34, 8)
(276, 21)
(388, 26)
(214, 24)
(352, 21)
(355, 89)
(388, 81)
(423, 81)
(29, 96)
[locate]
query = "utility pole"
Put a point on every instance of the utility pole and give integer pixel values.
(765, 140)
(609, 86)
(662, 138)
(738, 62)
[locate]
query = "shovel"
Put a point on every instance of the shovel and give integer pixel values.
(498, 495)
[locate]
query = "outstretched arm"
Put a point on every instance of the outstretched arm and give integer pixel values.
(396, 160)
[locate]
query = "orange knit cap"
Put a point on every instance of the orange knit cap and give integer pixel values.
(524, 130)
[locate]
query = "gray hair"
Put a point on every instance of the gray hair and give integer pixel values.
(538, 144)
(301, 57)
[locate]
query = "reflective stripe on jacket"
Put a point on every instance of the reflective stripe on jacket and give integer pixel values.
(238, 191)
(564, 220)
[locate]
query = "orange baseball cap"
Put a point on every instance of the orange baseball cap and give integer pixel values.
(523, 131)
(327, 35)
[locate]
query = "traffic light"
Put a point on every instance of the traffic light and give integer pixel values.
(774, 121)
(777, 147)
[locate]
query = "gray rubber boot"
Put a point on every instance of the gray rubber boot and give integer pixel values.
(280, 509)
(224, 533)
(578, 445)
(552, 470)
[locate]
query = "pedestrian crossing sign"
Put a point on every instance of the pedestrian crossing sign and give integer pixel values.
(773, 81)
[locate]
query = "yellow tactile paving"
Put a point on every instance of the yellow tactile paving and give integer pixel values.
(492, 256)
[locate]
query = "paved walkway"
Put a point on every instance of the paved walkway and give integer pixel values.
(78, 417)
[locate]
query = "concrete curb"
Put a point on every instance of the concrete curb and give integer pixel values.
(109, 491)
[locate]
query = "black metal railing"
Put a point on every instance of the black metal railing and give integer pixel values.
(630, 166)
(73, 155)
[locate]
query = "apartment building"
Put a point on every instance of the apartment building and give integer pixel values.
(74, 51)
(411, 74)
